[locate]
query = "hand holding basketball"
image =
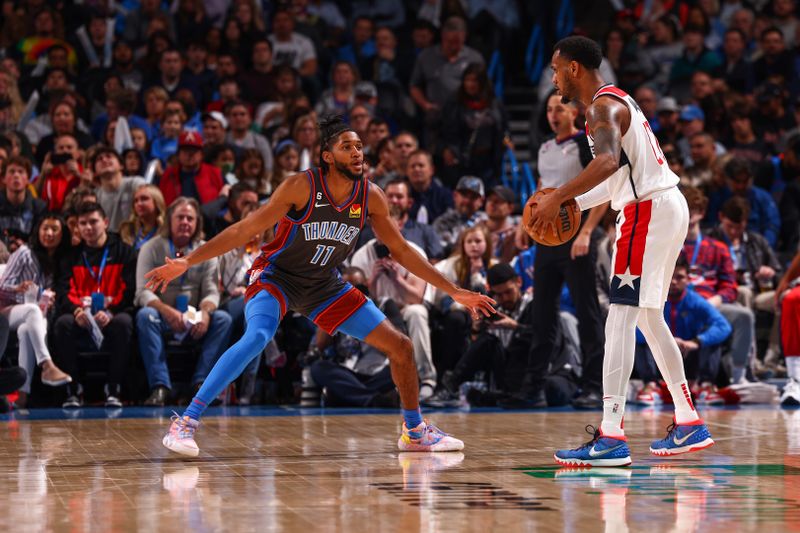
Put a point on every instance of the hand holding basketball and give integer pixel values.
(549, 222)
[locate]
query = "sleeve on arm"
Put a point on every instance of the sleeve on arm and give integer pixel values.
(597, 196)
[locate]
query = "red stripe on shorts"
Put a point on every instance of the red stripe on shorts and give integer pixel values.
(624, 239)
(632, 238)
(640, 236)
(340, 310)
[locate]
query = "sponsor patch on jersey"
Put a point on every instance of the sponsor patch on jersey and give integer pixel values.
(355, 211)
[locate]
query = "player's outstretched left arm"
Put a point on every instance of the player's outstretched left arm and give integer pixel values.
(386, 230)
(605, 119)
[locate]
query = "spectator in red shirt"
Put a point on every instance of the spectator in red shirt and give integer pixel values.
(713, 277)
(191, 177)
(61, 172)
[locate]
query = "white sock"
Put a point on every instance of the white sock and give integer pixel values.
(684, 407)
(670, 362)
(613, 411)
(617, 365)
(793, 367)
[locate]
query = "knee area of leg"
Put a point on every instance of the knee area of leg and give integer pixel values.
(145, 316)
(403, 348)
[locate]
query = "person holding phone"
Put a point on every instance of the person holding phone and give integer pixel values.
(61, 172)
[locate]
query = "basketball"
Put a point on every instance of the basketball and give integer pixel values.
(564, 227)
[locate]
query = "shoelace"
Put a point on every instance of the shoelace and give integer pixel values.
(184, 429)
(594, 432)
(429, 428)
(672, 427)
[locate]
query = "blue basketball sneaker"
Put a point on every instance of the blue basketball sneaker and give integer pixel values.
(600, 451)
(683, 438)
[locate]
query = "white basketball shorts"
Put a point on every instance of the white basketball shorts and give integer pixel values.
(650, 236)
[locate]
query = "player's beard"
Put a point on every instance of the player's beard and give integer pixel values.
(566, 90)
(346, 171)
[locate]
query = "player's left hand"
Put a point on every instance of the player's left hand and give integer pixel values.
(580, 246)
(159, 278)
(475, 303)
(544, 213)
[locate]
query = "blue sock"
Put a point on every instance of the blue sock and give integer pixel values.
(263, 315)
(412, 417)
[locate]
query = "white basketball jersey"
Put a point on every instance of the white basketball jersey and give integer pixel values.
(643, 169)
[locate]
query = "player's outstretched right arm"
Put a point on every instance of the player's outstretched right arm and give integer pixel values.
(293, 193)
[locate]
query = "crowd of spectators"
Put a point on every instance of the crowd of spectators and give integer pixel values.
(134, 131)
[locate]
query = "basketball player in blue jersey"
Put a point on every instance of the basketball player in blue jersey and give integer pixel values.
(630, 170)
(319, 215)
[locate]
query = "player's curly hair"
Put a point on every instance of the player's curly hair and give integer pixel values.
(330, 128)
(581, 49)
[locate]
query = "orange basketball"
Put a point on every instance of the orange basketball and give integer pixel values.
(565, 225)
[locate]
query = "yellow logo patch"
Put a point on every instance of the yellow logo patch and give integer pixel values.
(355, 211)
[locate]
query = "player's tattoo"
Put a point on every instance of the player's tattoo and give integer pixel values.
(604, 123)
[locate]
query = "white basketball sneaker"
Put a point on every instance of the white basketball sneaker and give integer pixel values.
(427, 438)
(180, 437)
(791, 393)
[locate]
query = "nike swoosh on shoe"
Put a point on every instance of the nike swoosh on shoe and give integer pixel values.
(594, 453)
(679, 442)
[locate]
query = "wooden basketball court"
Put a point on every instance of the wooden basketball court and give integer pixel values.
(271, 470)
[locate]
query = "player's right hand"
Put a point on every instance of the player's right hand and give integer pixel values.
(159, 278)
(475, 302)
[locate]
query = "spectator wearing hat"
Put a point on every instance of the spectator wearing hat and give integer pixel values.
(240, 118)
(19, 210)
(776, 62)
(772, 120)
(190, 176)
(736, 70)
(431, 198)
(214, 129)
(468, 198)
(667, 114)
(437, 74)
(115, 193)
(499, 205)
(398, 194)
(692, 120)
(764, 217)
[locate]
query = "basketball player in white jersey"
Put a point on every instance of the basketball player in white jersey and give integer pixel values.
(630, 170)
